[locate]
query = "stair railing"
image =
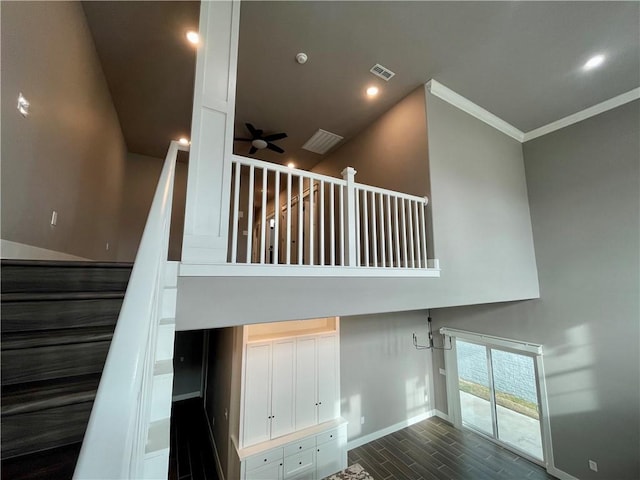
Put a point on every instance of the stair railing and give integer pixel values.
(115, 440)
(287, 217)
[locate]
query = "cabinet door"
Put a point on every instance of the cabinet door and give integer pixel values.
(329, 458)
(306, 381)
(257, 394)
(328, 401)
(273, 471)
(282, 399)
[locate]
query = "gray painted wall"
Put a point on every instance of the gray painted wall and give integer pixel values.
(218, 392)
(391, 153)
(382, 376)
(68, 154)
(585, 207)
(481, 225)
(141, 179)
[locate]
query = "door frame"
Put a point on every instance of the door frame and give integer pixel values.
(515, 346)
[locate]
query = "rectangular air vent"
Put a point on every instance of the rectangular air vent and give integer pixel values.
(382, 72)
(322, 141)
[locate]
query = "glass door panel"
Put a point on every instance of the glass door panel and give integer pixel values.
(516, 397)
(474, 386)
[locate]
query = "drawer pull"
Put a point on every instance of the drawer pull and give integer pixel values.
(300, 463)
(300, 447)
(265, 459)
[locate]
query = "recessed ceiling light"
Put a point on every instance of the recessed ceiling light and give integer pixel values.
(183, 141)
(291, 165)
(594, 62)
(372, 91)
(193, 37)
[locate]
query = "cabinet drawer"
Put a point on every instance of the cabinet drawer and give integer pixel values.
(327, 436)
(298, 464)
(299, 446)
(264, 458)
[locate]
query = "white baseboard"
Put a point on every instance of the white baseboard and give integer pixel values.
(560, 474)
(442, 415)
(185, 396)
(215, 448)
(386, 431)
(22, 251)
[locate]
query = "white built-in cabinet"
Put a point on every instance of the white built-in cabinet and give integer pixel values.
(317, 398)
(269, 394)
(290, 425)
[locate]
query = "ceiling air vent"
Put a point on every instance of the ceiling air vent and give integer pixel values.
(382, 72)
(321, 142)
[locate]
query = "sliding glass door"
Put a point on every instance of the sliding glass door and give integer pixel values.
(498, 396)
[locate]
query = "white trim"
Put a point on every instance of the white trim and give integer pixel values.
(185, 396)
(22, 251)
(442, 415)
(268, 270)
(215, 448)
(491, 340)
(560, 474)
(466, 105)
(597, 109)
(390, 429)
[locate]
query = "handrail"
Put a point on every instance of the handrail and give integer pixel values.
(385, 191)
(274, 167)
(115, 439)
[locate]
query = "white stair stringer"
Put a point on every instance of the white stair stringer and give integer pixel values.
(156, 456)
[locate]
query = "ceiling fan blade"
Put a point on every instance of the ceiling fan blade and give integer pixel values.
(275, 136)
(275, 148)
(242, 139)
(253, 150)
(252, 130)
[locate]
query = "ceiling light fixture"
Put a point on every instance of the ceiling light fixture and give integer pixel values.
(372, 91)
(183, 141)
(594, 62)
(291, 165)
(193, 37)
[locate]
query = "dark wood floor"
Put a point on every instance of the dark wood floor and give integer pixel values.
(433, 449)
(191, 456)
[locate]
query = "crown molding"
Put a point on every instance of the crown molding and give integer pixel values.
(597, 109)
(466, 105)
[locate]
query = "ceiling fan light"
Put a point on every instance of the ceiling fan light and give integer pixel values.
(259, 143)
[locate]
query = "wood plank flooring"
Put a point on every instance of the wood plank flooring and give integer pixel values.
(435, 450)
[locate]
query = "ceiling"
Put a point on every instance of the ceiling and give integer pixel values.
(522, 61)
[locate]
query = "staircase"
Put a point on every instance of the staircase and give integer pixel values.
(57, 322)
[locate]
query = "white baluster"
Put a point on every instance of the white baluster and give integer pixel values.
(236, 202)
(263, 227)
(250, 215)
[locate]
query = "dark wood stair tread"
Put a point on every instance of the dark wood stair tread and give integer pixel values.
(55, 463)
(49, 296)
(28, 397)
(67, 336)
(13, 262)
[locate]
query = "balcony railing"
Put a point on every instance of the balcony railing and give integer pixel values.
(287, 217)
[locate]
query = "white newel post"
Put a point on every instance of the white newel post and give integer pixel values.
(349, 174)
(209, 178)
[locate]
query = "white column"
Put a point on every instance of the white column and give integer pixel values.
(209, 179)
(348, 174)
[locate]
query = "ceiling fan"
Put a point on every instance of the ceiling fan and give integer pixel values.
(258, 142)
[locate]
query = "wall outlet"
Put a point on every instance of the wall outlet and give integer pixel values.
(106, 246)
(54, 218)
(593, 465)
(226, 414)
(443, 371)
(361, 420)
(240, 214)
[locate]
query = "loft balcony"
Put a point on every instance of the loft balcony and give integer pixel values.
(289, 222)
